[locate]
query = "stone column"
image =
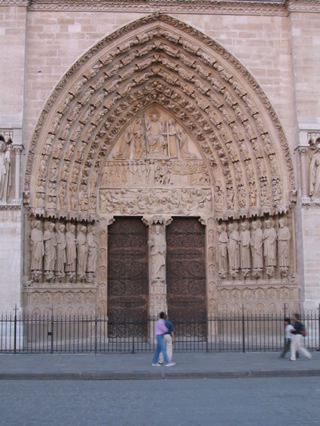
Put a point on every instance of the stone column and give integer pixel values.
(212, 272)
(102, 265)
(17, 151)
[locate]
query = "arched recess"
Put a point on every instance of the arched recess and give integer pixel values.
(159, 62)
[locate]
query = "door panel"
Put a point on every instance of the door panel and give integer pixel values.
(186, 272)
(127, 276)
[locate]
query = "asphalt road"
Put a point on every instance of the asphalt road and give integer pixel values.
(245, 401)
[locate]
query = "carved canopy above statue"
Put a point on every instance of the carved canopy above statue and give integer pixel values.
(158, 93)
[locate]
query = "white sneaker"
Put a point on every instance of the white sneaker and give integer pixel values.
(156, 365)
(170, 364)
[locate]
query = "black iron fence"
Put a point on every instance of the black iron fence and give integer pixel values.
(75, 334)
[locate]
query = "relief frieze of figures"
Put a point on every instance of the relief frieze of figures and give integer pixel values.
(186, 201)
(62, 252)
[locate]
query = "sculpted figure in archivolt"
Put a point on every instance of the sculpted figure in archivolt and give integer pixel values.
(158, 248)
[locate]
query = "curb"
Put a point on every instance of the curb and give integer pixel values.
(141, 375)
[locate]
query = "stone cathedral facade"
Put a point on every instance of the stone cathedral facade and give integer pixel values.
(160, 155)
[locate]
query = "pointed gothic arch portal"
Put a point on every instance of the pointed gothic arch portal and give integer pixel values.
(157, 118)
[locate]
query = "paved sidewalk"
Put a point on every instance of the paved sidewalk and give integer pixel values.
(112, 366)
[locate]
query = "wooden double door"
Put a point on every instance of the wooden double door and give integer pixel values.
(128, 280)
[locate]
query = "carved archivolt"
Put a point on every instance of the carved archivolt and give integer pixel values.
(233, 135)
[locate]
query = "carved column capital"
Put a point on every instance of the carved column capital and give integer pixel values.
(205, 220)
(157, 220)
(109, 220)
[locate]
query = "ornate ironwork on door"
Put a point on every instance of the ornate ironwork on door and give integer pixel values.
(186, 276)
(127, 278)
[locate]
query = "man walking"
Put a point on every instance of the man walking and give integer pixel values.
(168, 339)
(297, 344)
(160, 330)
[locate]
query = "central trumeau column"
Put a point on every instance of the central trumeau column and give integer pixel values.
(157, 262)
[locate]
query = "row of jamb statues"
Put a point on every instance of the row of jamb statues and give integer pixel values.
(63, 252)
(255, 251)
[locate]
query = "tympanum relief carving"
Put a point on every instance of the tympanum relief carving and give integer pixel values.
(155, 167)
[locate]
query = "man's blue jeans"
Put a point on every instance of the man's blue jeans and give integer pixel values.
(160, 348)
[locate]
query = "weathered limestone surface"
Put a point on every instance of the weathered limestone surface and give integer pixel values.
(10, 260)
(276, 44)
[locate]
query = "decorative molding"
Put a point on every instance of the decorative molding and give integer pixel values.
(239, 7)
(18, 3)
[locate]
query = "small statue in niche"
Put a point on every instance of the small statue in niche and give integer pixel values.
(82, 252)
(37, 251)
(269, 247)
(71, 252)
(158, 248)
(315, 175)
(283, 247)
(5, 171)
(50, 245)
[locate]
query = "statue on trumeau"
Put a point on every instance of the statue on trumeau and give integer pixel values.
(158, 248)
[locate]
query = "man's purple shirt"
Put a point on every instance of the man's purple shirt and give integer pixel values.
(160, 328)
